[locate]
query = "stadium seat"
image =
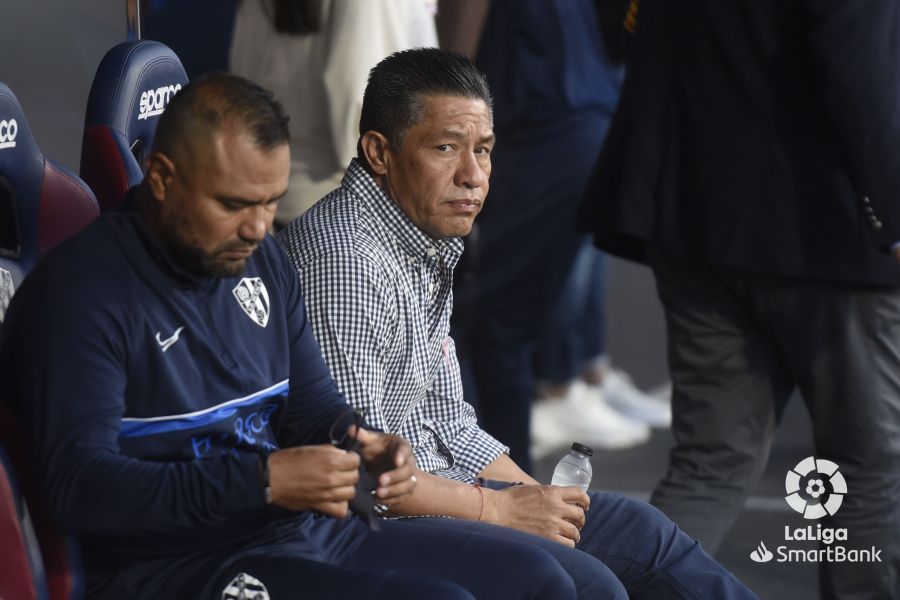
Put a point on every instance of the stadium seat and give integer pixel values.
(55, 561)
(22, 579)
(132, 86)
(41, 202)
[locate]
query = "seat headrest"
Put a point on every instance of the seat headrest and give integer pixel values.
(133, 84)
(41, 202)
(21, 176)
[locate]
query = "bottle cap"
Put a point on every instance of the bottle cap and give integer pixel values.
(586, 450)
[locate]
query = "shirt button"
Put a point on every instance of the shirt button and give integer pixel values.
(876, 225)
(866, 199)
(431, 251)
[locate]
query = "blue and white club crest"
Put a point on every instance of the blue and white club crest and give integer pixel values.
(253, 297)
(245, 587)
(6, 291)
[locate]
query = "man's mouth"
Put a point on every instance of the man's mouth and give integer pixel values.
(241, 253)
(466, 206)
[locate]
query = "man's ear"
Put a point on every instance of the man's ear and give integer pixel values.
(375, 148)
(160, 172)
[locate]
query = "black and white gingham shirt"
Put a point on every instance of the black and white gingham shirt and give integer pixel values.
(379, 295)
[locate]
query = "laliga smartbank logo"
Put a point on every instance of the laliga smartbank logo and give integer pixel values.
(818, 500)
(815, 489)
(153, 102)
(8, 132)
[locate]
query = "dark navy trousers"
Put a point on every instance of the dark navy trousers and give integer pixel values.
(412, 558)
(629, 549)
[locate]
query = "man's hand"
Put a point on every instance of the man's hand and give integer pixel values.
(389, 459)
(550, 511)
(319, 478)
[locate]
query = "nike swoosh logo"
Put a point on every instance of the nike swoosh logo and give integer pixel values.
(165, 344)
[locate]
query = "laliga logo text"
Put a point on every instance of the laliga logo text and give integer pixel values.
(8, 132)
(153, 102)
(815, 489)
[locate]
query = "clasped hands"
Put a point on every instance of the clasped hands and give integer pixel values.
(323, 478)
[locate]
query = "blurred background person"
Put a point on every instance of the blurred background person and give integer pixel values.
(315, 56)
(555, 86)
(581, 395)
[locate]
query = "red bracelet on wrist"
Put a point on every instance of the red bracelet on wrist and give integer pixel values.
(481, 493)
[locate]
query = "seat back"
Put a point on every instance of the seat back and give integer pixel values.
(16, 556)
(132, 86)
(41, 203)
(59, 564)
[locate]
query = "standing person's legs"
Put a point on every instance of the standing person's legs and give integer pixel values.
(572, 334)
(844, 345)
(729, 385)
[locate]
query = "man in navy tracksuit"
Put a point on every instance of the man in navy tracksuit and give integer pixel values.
(179, 409)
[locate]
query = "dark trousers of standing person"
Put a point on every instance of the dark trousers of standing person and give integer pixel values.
(740, 343)
(527, 247)
(575, 333)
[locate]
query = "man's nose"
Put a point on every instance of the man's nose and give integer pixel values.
(470, 173)
(255, 224)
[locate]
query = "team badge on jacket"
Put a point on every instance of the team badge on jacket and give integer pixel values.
(6, 291)
(245, 587)
(253, 297)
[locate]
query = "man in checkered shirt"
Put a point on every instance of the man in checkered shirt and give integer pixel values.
(376, 259)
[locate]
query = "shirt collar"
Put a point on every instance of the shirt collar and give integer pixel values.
(412, 240)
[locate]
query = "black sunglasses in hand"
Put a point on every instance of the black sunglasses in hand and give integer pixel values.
(363, 502)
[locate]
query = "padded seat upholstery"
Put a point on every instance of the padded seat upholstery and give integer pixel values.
(41, 202)
(132, 86)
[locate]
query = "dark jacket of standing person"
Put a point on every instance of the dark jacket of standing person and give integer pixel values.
(762, 135)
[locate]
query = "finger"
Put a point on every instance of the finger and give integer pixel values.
(575, 495)
(562, 540)
(343, 493)
(574, 515)
(402, 452)
(401, 473)
(342, 460)
(569, 531)
(340, 478)
(364, 436)
(396, 491)
(333, 509)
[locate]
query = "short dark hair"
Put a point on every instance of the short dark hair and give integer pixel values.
(394, 97)
(215, 99)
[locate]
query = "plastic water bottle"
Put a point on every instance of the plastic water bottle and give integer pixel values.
(574, 468)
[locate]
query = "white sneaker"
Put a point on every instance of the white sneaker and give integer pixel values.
(623, 396)
(582, 416)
